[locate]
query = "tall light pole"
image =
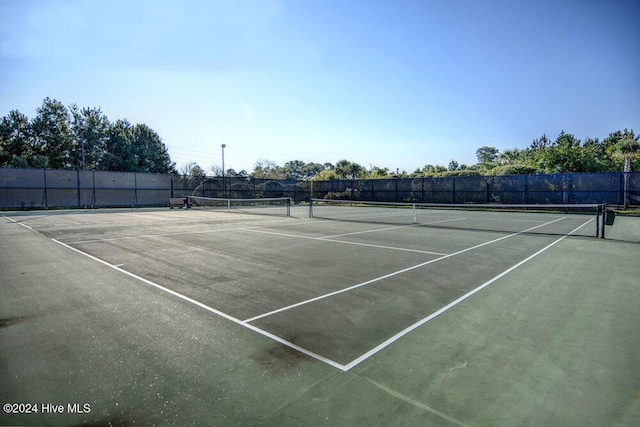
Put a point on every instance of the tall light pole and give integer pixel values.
(224, 186)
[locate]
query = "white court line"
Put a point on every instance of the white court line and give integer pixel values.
(405, 331)
(18, 222)
(144, 236)
(370, 245)
(388, 228)
(212, 310)
(386, 276)
(364, 231)
(147, 236)
(324, 239)
(444, 220)
(415, 403)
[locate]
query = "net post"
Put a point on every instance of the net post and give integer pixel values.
(311, 208)
(598, 207)
(228, 205)
(415, 214)
(289, 206)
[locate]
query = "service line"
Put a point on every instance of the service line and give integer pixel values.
(395, 273)
(326, 239)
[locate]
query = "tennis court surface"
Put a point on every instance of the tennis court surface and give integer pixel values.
(222, 317)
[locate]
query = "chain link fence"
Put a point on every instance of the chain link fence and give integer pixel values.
(585, 188)
(55, 189)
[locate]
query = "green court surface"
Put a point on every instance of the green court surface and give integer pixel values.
(193, 317)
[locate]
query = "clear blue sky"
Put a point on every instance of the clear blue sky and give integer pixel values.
(395, 84)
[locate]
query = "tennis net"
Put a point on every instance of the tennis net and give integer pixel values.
(262, 206)
(582, 220)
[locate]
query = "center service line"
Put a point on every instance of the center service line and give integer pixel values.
(395, 273)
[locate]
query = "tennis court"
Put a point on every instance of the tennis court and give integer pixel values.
(227, 317)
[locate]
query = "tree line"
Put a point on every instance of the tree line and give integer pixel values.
(620, 151)
(84, 138)
(79, 138)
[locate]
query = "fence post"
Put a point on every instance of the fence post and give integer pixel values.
(46, 201)
(487, 196)
(135, 190)
(621, 195)
(93, 189)
(433, 192)
(626, 190)
(78, 188)
(453, 190)
(396, 182)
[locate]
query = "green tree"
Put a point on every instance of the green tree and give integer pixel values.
(356, 170)
(311, 169)
(53, 135)
(149, 151)
(119, 154)
(16, 140)
(431, 170)
(624, 146)
(342, 168)
(510, 156)
(514, 169)
(326, 175)
(192, 169)
(487, 155)
(267, 169)
(540, 144)
(294, 169)
(378, 172)
(567, 154)
(62, 138)
(91, 132)
(346, 169)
